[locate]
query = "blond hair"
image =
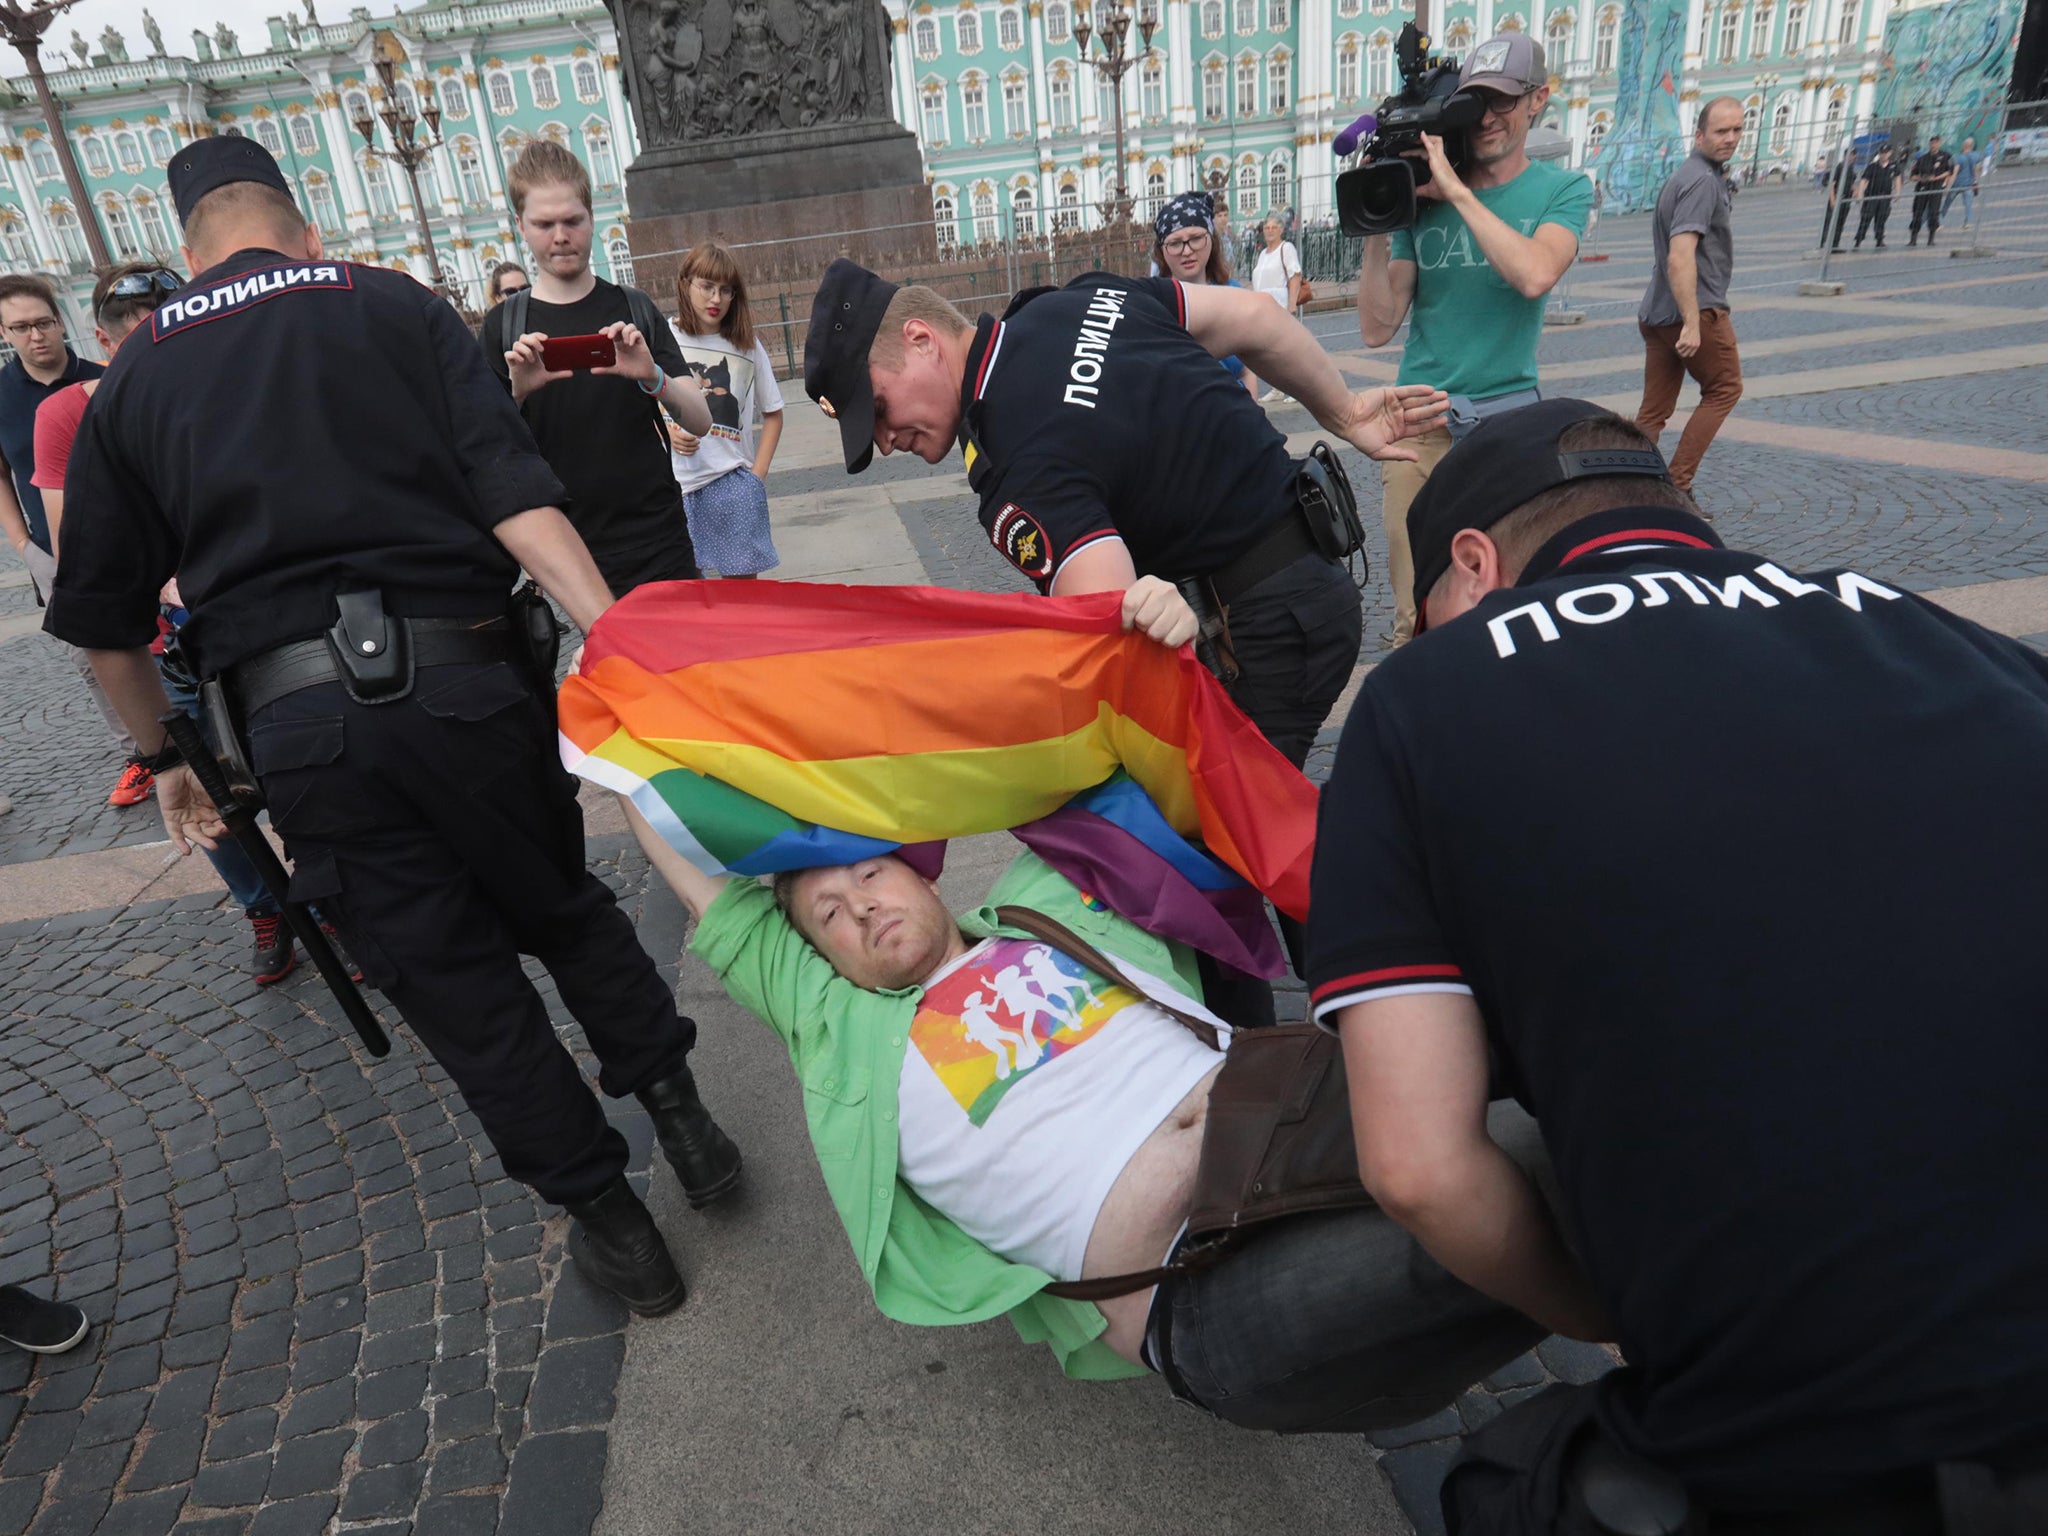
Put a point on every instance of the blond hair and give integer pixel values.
(544, 163)
(914, 302)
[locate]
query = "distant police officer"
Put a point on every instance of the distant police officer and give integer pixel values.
(346, 527)
(1734, 873)
(1104, 443)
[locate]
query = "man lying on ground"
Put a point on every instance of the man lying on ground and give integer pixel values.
(939, 1057)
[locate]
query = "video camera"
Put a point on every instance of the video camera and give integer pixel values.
(1378, 197)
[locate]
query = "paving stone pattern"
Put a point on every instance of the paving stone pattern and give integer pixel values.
(317, 1303)
(59, 759)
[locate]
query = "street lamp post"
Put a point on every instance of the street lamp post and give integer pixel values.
(1764, 84)
(408, 149)
(24, 26)
(1114, 64)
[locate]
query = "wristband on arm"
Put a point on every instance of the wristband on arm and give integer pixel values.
(660, 381)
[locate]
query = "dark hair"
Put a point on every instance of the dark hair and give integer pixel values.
(26, 285)
(716, 263)
(497, 272)
(1542, 517)
(1215, 272)
(120, 313)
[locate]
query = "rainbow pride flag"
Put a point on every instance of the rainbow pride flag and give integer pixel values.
(776, 725)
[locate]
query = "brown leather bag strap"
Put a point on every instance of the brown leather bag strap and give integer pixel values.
(1061, 937)
(1187, 1259)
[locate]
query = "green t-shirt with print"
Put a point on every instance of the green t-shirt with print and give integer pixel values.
(1468, 331)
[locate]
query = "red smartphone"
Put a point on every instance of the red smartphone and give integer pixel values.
(559, 354)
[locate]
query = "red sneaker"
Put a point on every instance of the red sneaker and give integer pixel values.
(274, 955)
(133, 787)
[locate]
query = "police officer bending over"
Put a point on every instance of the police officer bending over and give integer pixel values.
(1738, 871)
(1104, 443)
(346, 534)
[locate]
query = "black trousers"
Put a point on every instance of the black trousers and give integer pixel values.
(1926, 210)
(1841, 217)
(441, 833)
(1875, 211)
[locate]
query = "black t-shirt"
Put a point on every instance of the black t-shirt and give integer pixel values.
(1089, 413)
(1878, 179)
(21, 396)
(280, 431)
(1743, 870)
(1932, 168)
(602, 434)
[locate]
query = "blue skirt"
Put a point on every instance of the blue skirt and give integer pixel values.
(729, 525)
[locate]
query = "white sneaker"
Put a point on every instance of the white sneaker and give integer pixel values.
(1278, 397)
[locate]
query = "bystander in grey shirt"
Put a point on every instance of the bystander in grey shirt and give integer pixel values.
(1695, 201)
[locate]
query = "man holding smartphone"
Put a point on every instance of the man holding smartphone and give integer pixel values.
(599, 427)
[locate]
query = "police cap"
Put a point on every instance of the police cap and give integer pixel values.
(206, 165)
(844, 318)
(1503, 463)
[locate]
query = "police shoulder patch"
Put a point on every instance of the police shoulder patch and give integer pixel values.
(1021, 538)
(194, 306)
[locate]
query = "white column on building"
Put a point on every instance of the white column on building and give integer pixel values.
(906, 71)
(1181, 21)
(625, 131)
(341, 139)
(1483, 22)
(487, 151)
(48, 250)
(1041, 107)
(1314, 100)
(1577, 73)
(1689, 89)
(1823, 18)
(1866, 74)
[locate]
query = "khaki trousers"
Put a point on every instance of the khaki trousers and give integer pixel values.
(1719, 372)
(1400, 480)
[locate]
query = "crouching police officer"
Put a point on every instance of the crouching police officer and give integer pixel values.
(1104, 443)
(346, 533)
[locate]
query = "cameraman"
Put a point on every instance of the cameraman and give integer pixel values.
(1492, 239)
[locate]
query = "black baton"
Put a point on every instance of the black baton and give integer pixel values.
(241, 824)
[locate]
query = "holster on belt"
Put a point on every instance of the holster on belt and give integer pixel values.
(534, 621)
(224, 726)
(1212, 634)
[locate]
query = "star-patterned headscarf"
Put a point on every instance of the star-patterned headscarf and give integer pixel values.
(1191, 210)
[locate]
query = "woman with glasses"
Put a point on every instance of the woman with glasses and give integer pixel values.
(506, 279)
(1185, 246)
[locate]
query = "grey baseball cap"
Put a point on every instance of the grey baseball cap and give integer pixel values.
(1512, 62)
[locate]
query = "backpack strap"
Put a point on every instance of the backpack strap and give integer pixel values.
(515, 316)
(647, 318)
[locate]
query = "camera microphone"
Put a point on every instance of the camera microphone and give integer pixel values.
(1348, 140)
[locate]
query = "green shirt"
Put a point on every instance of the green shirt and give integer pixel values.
(1468, 331)
(847, 1045)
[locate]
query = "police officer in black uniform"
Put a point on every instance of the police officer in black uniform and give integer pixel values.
(1104, 444)
(347, 526)
(1932, 173)
(1733, 871)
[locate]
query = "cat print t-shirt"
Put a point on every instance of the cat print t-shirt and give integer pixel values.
(739, 387)
(1029, 1083)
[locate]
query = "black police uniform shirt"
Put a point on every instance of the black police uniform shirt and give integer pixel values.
(281, 430)
(1878, 178)
(1743, 869)
(601, 433)
(21, 396)
(1089, 413)
(1932, 168)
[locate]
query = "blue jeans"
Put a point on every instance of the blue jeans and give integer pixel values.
(233, 866)
(1969, 197)
(1337, 1321)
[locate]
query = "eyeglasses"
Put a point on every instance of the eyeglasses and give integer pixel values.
(35, 327)
(1186, 245)
(1498, 105)
(137, 285)
(703, 287)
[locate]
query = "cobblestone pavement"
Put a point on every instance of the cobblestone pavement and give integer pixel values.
(317, 1303)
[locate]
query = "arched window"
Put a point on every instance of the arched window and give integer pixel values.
(588, 86)
(21, 246)
(934, 97)
(544, 93)
(1382, 7)
(69, 235)
(1731, 26)
(1057, 27)
(355, 105)
(974, 108)
(1349, 7)
(924, 36)
(1247, 17)
(1347, 70)
(1379, 66)
(1847, 36)
(469, 169)
(1155, 192)
(618, 256)
(1152, 89)
(1248, 189)
(1509, 23)
(946, 215)
(1706, 28)
(1276, 15)
(1278, 96)
(1061, 92)
(1458, 39)
(377, 184)
(1212, 90)
(120, 228)
(1024, 212)
(1596, 133)
(128, 150)
(1557, 40)
(988, 225)
(96, 157)
(1781, 127)
(503, 101)
(1016, 106)
(1832, 121)
(1604, 33)
(269, 135)
(1279, 184)
(320, 198)
(1105, 101)
(305, 137)
(604, 165)
(42, 160)
(967, 31)
(1212, 18)
(1749, 122)
(1247, 87)
(149, 219)
(1795, 27)
(430, 187)
(1759, 31)
(1069, 216)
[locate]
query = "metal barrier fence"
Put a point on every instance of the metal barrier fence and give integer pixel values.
(2005, 224)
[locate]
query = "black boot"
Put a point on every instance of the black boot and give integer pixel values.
(702, 1155)
(617, 1245)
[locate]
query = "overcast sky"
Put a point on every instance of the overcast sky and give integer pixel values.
(177, 18)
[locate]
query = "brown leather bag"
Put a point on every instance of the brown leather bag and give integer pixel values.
(1277, 1140)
